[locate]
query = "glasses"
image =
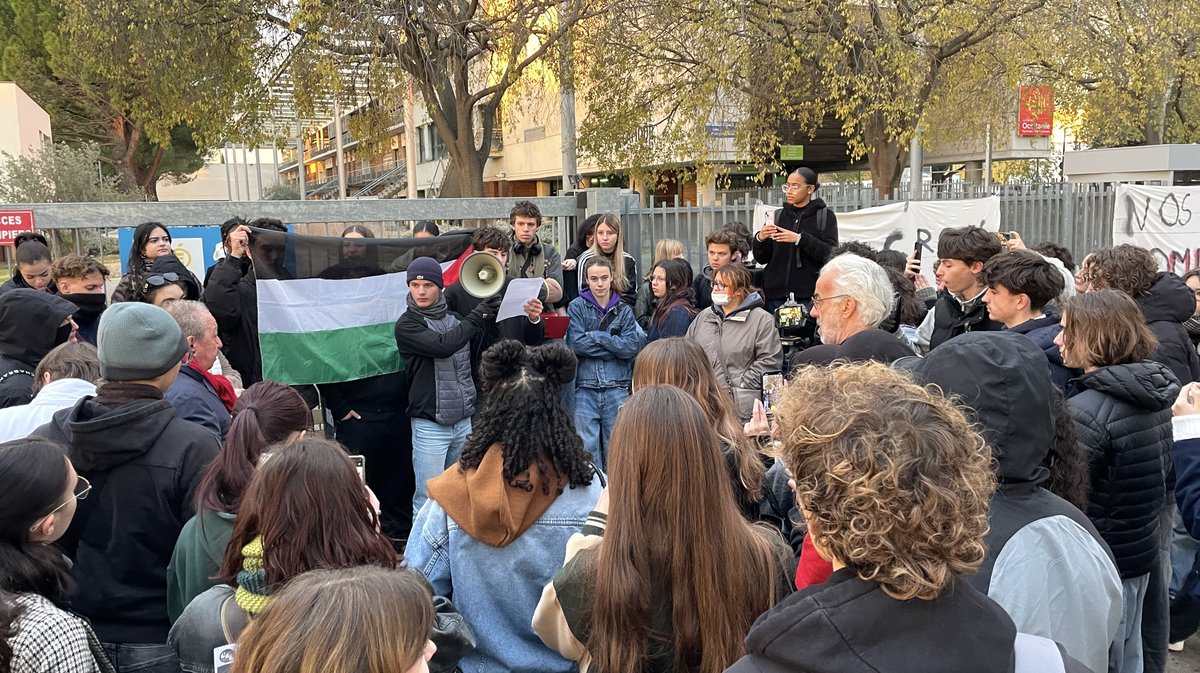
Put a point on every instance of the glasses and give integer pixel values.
(82, 488)
(160, 279)
(720, 286)
(792, 188)
(817, 300)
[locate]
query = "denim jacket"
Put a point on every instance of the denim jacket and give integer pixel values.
(606, 339)
(497, 588)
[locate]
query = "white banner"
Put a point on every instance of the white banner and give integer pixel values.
(901, 226)
(1163, 220)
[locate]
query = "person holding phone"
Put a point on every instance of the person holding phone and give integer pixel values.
(739, 337)
(797, 242)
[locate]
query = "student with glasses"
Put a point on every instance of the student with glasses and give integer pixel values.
(165, 281)
(38, 494)
(796, 242)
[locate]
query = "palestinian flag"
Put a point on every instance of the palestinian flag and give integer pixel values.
(327, 306)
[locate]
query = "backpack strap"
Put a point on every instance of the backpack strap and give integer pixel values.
(822, 220)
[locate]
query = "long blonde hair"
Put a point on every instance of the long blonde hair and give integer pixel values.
(619, 281)
(666, 248)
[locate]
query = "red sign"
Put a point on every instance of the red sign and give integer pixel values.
(13, 222)
(1035, 112)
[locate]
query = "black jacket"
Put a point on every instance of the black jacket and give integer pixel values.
(950, 319)
(169, 263)
(1168, 304)
(1123, 416)
(232, 298)
(866, 346)
(794, 268)
(461, 302)
(29, 329)
(848, 625)
(421, 347)
(144, 465)
(1034, 536)
(1042, 331)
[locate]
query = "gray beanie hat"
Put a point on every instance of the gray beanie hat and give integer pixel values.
(138, 342)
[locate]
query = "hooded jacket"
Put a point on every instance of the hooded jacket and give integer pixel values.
(1123, 417)
(169, 263)
(1167, 305)
(18, 281)
(195, 400)
(232, 297)
(197, 558)
(496, 586)
(29, 329)
(1046, 564)
(847, 625)
(793, 268)
(741, 346)
(1042, 331)
(605, 338)
(18, 422)
(144, 465)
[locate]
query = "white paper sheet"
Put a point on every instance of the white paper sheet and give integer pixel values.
(520, 290)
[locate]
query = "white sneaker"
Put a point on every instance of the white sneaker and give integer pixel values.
(1175, 647)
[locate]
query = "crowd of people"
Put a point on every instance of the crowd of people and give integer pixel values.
(997, 471)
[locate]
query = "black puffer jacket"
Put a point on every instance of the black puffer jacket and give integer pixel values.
(1123, 417)
(29, 328)
(952, 317)
(1168, 304)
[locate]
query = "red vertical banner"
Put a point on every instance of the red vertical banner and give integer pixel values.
(1035, 111)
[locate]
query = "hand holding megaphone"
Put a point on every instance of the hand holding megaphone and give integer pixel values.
(482, 275)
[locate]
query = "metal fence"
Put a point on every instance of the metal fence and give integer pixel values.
(1078, 216)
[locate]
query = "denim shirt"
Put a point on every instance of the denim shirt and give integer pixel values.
(497, 588)
(605, 358)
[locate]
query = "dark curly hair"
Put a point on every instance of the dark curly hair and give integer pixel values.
(855, 248)
(1057, 251)
(524, 416)
(1128, 268)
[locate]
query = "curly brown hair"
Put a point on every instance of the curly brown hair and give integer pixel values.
(894, 478)
(1128, 268)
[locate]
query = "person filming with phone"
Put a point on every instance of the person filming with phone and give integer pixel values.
(796, 243)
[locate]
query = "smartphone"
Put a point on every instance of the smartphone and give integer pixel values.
(772, 390)
(360, 464)
(1002, 236)
(917, 251)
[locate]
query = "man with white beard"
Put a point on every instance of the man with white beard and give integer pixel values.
(853, 297)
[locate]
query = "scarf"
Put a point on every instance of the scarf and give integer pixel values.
(253, 595)
(435, 312)
(220, 384)
(117, 393)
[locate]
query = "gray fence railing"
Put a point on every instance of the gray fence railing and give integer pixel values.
(1078, 216)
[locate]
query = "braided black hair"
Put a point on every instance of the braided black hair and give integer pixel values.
(524, 416)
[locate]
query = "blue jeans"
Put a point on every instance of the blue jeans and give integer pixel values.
(435, 448)
(142, 657)
(595, 413)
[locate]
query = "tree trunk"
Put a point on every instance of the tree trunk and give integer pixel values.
(125, 137)
(886, 157)
(148, 175)
(464, 177)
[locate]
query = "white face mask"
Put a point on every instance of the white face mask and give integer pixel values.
(720, 298)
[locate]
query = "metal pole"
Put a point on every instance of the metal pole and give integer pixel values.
(300, 155)
(410, 141)
(246, 170)
(987, 158)
(237, 185)
(916, 165)
(567, 108)
(228, 175)
(258, 169)
(340, 158)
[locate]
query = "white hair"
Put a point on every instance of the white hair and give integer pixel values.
(864, 281)
(190, 315)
